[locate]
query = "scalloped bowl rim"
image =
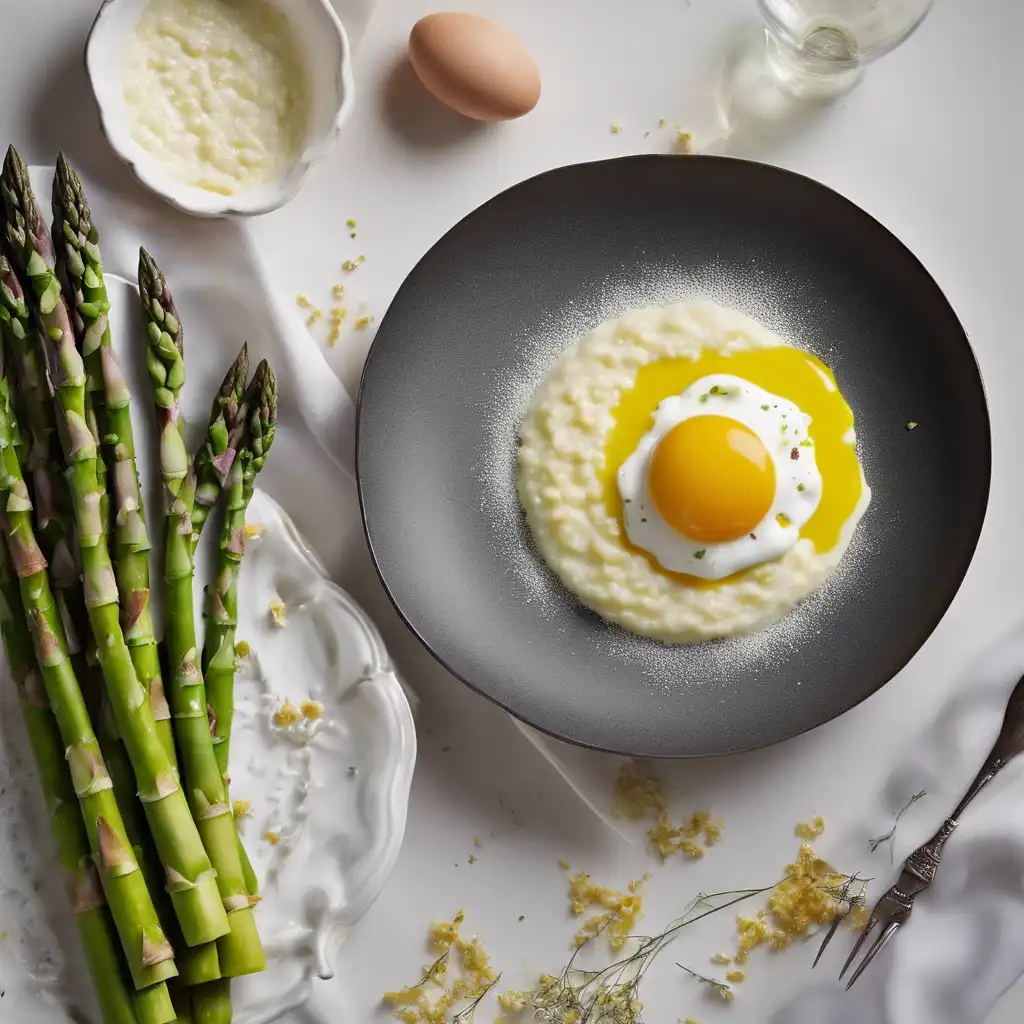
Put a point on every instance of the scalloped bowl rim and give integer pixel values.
(197, 201)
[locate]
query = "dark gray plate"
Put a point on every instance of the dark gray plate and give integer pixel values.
(484, 314)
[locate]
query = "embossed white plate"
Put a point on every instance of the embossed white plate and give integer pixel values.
(333, 791)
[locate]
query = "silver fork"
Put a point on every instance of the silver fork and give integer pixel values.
(894, 908)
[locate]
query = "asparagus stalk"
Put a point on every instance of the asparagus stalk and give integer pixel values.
(99, 940)
(219, 658)
(240, 950)
(43, 459)
(149, 954)
(196, 964)
(75, 236)
(224, 432)
(211, 1004)
(181, 996)
(219, 455)
(191, 879)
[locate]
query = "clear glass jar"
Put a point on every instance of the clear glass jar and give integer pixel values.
(820, 47)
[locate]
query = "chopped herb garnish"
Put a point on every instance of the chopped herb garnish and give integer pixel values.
(806, 443)
(700, 554)
(912, 425)
(801, 487)
(783, 520)
(784, 428)
(765, 407)
(703, 398)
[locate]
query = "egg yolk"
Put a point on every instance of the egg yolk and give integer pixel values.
(712, 479)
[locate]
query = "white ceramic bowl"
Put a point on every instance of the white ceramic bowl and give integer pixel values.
(325, 46)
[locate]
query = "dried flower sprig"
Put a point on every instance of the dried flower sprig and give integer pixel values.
(889, 836)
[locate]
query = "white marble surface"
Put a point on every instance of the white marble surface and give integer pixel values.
(926, 143)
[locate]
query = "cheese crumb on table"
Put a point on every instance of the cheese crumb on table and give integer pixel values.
(810, 829)
(808, 896)
(287, 714)
(311, 710)
(619, 913)
(721, 958)
(637, 797)
(735, 976)
(241, 809)
(272, 837)
(461, 972)
(278, 613)
(253, 530)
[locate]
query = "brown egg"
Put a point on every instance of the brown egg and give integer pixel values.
(474, 66)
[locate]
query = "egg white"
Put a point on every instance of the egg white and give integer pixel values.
(782, 428)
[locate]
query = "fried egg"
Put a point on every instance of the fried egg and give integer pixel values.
(724, 480)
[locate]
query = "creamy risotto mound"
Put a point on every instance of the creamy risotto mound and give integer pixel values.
(561, 479)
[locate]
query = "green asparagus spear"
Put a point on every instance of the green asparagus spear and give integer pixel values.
(191, 879)
(181, 996)
(149, 954)
(217, 453)
(43, 463)
(196, 964)
(75, 236)
(219, 659)
(240, 951)
(211, 1004)
(95, 929)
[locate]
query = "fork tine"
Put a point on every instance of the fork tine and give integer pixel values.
(882, 939)
(862, 938)
(828, 938)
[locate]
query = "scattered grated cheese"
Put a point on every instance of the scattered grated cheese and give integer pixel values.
(242, 649)
(349, 265)
(363, 322)
(478, 842)
(437, 992)
(662, 122)
(636, 797)
(351, 222)
(806, 897)
(241, 809)
(272, 837)
(253, 530)
(311, 710)
(314, 317)
(735, 976)
(338, 291)
(616, 128)
(278, 613)
(721, 958)
(619, 914)
(684, 142)
(564, 865)
(302, 301)
(810, 829)
(287, 714)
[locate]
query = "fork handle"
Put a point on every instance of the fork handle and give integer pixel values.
(922, 864)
